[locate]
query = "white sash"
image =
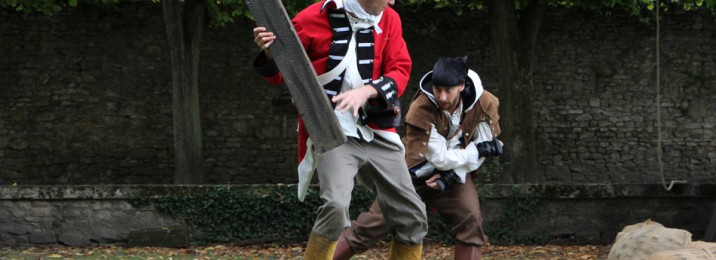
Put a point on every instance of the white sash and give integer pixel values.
(347, 60)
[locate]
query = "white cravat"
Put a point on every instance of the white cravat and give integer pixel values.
(353, 7)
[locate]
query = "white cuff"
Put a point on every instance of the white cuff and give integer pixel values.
(462, 173)
(473, 156)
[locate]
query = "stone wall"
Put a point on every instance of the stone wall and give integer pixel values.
(595, 213)
(85, 96)
(73, 216)
(92, 215)
(596, 98)
(85, 99)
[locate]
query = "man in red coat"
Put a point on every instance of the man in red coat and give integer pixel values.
(358, 49)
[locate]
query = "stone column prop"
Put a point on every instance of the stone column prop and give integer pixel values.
(298, 73)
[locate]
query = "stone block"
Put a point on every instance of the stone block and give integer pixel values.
(42, 212)
(15, 228)
(5, 214)
(42, 237)
(175, 236)
(23, 205)
(41, 203)
(74, 238)
(7, 240)
(4, 141)
(558, 173)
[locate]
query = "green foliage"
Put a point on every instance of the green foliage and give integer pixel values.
(49, 7)
(222, 12)
(46, 7)
(258, 214)
(489, 171)
(230, 214)
(635, 7)
(518, 210)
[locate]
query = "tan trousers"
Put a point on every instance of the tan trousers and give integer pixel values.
(459, 206)
(383, 169)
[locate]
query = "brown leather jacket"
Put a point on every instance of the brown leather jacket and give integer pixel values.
(423, 111)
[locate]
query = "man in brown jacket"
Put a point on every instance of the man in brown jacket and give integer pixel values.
(451, 127)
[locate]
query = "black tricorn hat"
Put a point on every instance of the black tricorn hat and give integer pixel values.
(448, 72)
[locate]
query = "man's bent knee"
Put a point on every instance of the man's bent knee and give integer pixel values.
(332, 219)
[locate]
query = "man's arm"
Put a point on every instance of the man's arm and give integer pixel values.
(264, 63)
(453, 164)
(396, 62)
(443, 157)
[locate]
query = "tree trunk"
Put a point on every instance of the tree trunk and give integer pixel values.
(513, 45)
(184, 31)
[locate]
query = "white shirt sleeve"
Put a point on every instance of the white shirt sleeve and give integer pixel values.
(443, 157)
(445, 154)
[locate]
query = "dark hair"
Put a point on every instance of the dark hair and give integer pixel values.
(449, 72)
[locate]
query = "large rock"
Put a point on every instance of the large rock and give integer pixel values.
(641, 240)
(696, 250)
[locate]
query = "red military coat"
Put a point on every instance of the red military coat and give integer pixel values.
(391, 58)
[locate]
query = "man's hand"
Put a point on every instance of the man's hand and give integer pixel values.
(353, 99)
(264, 39)
(431, 182)
(443, 180)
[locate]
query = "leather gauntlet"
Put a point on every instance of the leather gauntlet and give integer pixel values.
(447, 180)
(489, 148)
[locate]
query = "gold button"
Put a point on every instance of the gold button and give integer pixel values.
(427, 132)
(467, 134)
(425, 144)
(421, 155)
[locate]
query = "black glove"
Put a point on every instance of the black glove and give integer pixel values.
(447, 179)
(489, 148)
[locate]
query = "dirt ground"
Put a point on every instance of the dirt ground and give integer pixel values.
(295, 251)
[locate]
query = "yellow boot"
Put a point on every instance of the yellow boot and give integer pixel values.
(319, 248)
(404, 251)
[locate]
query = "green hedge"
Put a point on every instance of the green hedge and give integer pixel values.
(253, 214)
(272, 213)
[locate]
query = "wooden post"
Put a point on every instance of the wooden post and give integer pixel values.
(298, 73)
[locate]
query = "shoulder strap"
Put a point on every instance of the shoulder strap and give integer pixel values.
(335, 72)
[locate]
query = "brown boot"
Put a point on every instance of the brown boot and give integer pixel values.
(467, 251)
(343, 249)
